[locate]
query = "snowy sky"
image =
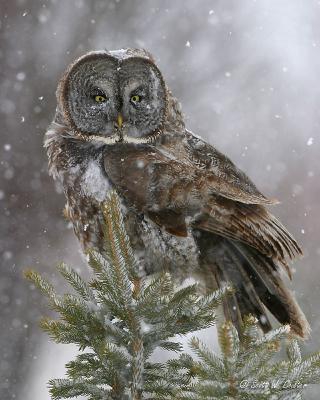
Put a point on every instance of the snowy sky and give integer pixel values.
(246, 73)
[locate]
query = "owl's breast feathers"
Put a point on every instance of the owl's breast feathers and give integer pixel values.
(184, 183)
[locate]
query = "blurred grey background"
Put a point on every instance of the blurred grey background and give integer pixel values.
(246, 73)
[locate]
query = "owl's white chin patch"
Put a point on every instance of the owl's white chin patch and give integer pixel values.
(124, 139)
(130, 139)
(127, 135)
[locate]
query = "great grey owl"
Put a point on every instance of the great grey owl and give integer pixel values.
(188, 209)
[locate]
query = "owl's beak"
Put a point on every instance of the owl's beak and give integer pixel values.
(119, 126)
(120, 121)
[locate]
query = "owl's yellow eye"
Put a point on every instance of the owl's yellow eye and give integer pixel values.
(100, 99)
(135, 98)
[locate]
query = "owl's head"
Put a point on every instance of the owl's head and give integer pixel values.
(114, 96)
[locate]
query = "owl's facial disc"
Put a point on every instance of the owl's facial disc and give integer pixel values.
(110, 100)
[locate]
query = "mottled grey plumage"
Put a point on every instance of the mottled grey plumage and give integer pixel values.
(188, 209)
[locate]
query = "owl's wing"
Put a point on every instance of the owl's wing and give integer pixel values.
(251, 224)
(177, 195)
(237, 208)
(224, 178)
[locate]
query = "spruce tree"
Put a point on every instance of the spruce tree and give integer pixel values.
(119, 318)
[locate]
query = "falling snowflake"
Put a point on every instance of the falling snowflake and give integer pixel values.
(188, 44)
(21, 76)
(310, 141)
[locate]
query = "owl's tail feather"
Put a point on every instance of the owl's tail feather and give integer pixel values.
(258, 285)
